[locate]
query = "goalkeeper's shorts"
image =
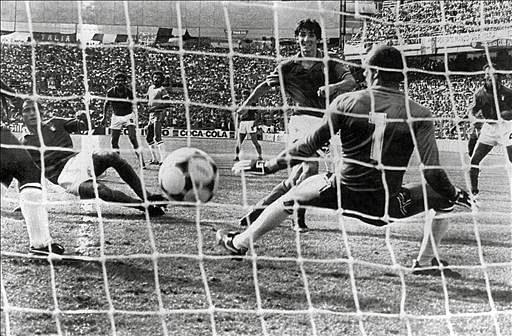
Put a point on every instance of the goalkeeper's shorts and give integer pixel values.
(368, 206)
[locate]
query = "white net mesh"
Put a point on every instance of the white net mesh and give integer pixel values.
(129, 275)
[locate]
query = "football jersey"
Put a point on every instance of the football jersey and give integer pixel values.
(484, 101)
(378, 135)
(55, 133)
(160, 93)
(121, 108)
(302, 84)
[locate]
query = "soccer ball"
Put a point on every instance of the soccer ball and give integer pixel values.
(188, 174)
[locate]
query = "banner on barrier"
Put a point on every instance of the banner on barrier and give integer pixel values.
(183, 133)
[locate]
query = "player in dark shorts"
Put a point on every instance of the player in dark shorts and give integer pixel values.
(16, 163)
(304, 83)
(493, 131)
(247, 126)
(74, 171)
(123, 115)
(375, 134)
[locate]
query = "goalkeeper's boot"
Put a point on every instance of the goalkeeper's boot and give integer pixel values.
(236, 159)
(420, 270)
(54, 248)
(225, 239)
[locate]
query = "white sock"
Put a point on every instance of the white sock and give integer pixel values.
(438, 227)
(271, 217)
(35, 214)
(161, 150)
(152, 150)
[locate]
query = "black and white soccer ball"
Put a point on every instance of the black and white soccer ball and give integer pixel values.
(188, 174)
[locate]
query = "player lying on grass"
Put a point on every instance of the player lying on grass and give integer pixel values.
(16, 163)
(494, 131)
(304, 82)
(73, 170)
(375, 133)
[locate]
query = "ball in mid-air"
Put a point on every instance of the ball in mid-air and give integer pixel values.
(188, 174)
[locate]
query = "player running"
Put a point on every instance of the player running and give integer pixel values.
(494, 131)
(122, 115)
(305, 83)
(16, 163)
(73, 170)
(374, 133)
(157, 91)
(247, 126)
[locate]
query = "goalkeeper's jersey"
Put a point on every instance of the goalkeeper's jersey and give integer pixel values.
(373, 129)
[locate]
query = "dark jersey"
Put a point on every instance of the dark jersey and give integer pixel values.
(302, 84)
(16, 162)
(249, 115)
(120, 108)
(378, 135)
(55, 133)
(484, 101)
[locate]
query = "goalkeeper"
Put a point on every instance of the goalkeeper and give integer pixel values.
(375, 133)
(304, 82)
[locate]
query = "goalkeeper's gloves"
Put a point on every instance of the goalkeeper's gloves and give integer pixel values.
(255, 167)
(462, 198)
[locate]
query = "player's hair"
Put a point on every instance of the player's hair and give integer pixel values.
(311, 25)
(390, 58)
(119, 75)
(246, 92)
(159, 73)
(29, 103)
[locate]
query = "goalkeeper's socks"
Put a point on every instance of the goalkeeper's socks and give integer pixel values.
(35, 214)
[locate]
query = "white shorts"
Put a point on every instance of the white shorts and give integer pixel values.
(246, 127)
(301, 125)
(496, 134)
(118, 122)
(76, 171)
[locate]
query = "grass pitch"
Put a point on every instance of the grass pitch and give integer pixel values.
(126, 275)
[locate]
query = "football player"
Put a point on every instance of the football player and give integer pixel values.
(73, 170)
(16, 163)
(157, 91)
(123, 115)
(495, 130)
(304, 81)
(376, 139)
(247, 126)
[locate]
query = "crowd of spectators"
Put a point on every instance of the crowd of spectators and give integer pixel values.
(211, 92)
(416, 19)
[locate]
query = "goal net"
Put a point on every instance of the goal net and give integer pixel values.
(126, 273)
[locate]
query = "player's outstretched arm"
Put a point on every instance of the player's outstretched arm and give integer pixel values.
(305, 148)
(258, 91)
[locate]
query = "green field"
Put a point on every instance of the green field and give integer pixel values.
(126, 275)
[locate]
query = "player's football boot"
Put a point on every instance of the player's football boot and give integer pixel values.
(54, 248)
(156, 210)
(420, 270)
(301, 228)
(225, 239)
(236, 159)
